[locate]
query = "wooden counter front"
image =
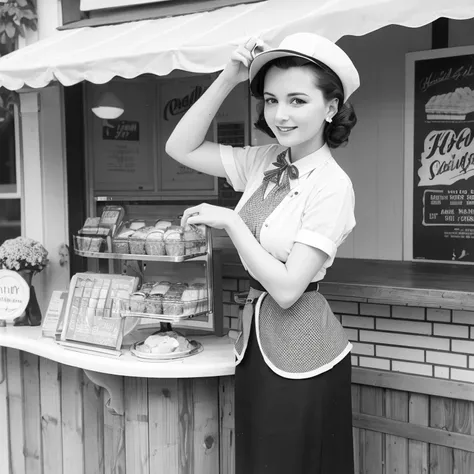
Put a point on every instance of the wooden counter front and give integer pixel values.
(59, 414)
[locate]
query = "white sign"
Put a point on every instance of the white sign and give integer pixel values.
(14, 295)
(447, 157)
(87, 5)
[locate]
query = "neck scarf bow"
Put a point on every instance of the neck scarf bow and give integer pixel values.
(281, 165)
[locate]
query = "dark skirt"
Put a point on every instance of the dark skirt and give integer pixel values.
(286, 426)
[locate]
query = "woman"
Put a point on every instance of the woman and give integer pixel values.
(293, 393)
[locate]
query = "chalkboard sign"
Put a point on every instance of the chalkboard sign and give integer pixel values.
(440, 104)
(127, 130)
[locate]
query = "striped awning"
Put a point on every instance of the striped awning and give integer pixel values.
(202, 42)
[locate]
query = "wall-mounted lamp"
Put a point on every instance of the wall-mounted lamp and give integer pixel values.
(109, 106)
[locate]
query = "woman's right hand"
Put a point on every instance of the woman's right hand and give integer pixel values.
(237, 69)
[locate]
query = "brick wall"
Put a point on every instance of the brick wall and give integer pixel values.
(410, 339)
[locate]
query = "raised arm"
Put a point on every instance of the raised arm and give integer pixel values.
(187, 143)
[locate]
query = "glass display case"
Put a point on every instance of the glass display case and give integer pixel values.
(169, 273)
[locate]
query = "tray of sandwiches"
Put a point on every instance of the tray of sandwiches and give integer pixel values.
(138, 239)
(165, 345)
(167, 301)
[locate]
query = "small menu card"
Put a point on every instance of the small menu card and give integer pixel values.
(52, 321)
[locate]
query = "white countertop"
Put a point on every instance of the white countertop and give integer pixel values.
(217, 358)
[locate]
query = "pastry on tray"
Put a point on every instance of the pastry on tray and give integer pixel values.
(161, 224)
(147, 286)
(120, 244)
(194, 239)
(154, 304)
(164, 343)
(160, 288)
(154, 244)
(174, 243)
(190, 300)
(202, 291)
(138, 239)
(136, 224)
(137, 302)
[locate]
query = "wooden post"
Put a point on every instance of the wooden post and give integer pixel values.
(136, 425)
(206, 426)
(417, 450)
(163, 408)
(114, 439)
(15, 410)
(4, 422)
(93, 428)
(50, 389)
(227, 425)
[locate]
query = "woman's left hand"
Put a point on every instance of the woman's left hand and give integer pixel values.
(216, 217)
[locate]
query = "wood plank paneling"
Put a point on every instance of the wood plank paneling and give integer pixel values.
(136, 425)
(463, 422)
(93, 428)
(413, 383)
(227, 425)
(163, 409)
(356, 432)
(32, 418)
(441, 458)
(372, 455)
(436, 436)
(396, 447)
(15, 411)
(72, 420)
(186, 426)
(206, 426)
(114, 440)
(4, 421)
(418, 450)
(51, 433)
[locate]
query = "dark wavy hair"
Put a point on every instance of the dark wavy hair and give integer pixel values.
(335, 133)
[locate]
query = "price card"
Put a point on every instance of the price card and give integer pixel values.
(52, 321)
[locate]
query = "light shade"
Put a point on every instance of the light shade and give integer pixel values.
(109, 106)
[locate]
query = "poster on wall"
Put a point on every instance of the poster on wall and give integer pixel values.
(121, 150)
(439, 171)
(178, 96)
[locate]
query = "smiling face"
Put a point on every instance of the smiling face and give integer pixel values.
(295, 108)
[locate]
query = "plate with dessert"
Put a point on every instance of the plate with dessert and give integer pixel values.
(165, 345)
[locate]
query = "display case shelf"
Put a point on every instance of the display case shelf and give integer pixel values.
(167, 318)
(144, 258)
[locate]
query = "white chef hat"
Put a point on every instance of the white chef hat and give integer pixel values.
(315, 48)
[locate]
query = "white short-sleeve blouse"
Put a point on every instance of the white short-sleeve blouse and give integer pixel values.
(318, 211)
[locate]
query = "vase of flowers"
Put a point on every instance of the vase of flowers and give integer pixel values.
(26, 257)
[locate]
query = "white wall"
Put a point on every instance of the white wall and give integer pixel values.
(374, 156)
(44, 165)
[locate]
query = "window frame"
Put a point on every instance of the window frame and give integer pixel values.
(18, 194)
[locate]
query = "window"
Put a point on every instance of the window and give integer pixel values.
(10, 189)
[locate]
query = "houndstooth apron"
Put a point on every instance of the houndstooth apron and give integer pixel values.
(303, 340)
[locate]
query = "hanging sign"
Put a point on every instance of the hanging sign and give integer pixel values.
(14, 295)
(126, 130)
(440, 133)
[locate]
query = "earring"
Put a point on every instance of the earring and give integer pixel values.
(328, 119)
